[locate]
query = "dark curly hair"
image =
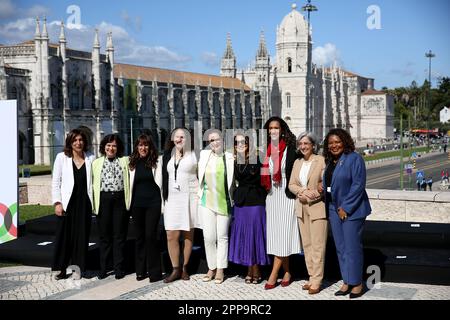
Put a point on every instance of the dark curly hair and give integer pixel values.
(71, 138)
(285, 133)
(112, 138)
(349, 144)
(152, 157)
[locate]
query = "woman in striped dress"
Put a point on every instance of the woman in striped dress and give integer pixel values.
(283, 235)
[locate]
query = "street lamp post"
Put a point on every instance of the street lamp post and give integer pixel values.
(429, 55)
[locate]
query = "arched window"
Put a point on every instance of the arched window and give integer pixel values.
(288, 100)
(12, 94)
(289, 65)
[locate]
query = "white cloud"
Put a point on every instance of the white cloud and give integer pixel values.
(37, 11)
(17, 31)
(210, 59)
(326, 55)
(7, 9)
(81, 37)
(135, 23)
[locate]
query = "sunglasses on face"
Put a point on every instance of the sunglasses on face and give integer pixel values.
(214, 140)
(240, 142)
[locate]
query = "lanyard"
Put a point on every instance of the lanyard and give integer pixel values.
(176, 165)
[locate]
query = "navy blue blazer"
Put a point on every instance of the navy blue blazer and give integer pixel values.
(348, 186)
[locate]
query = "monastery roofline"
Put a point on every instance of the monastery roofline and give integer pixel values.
(373, 92)
(130, 71)
(347, 73)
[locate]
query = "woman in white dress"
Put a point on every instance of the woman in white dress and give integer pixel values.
(180, 186)
(283, 235)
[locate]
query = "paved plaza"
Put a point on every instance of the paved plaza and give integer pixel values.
(35, 283)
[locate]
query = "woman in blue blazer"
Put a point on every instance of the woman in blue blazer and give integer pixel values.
(347, 206)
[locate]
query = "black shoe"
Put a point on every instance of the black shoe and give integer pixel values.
(343, 293)
(140, 277)
(102, 275)
(119, 275)
(60, 276)
(155, 278)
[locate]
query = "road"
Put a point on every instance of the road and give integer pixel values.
(387, 177)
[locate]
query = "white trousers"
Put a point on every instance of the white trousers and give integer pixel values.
(215, 235)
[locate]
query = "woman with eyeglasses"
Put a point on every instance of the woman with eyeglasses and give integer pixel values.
(216, 184)
(306, 184)
(180, 187)
(283, 235)
(248, 229)
(347, 206)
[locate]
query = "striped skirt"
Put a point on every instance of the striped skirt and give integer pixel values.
(283, 234)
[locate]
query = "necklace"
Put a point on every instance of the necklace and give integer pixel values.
(239, 168)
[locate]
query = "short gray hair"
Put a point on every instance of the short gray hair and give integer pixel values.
(312, 138)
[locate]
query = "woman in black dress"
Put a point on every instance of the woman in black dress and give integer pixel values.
(72, 198)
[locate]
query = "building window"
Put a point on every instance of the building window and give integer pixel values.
(288, 100)
(289, 63)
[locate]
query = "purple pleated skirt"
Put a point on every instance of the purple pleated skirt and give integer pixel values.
(248, 236)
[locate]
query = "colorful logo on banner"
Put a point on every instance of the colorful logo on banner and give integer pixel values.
(8, 222)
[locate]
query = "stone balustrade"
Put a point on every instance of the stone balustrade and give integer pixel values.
(409, 206)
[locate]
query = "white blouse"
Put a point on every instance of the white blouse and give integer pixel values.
(304, 171)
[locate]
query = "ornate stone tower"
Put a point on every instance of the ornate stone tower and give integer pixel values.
(292, 70)
(228, 64)
(262, 70)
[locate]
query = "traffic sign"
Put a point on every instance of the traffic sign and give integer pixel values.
(420, 174)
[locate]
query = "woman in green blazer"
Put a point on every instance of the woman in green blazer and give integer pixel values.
(111, 192)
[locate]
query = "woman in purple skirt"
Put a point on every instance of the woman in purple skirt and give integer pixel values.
(248, 229)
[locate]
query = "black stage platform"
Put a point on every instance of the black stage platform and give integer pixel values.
(404, 252)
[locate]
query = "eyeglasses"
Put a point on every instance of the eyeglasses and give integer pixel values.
(238, 142)
(214, 140)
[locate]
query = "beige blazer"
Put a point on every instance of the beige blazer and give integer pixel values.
(316, 208)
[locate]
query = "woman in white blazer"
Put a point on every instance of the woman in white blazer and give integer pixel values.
(216, 187)
(72, 198)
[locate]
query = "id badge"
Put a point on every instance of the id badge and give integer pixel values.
(329, 189)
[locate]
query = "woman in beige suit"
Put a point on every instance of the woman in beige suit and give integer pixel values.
(306, 184)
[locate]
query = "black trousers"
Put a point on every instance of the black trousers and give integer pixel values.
(113, 226)
(146, 228)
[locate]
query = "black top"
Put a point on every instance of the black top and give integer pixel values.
(328, 178)
(165, 175)
(146, 192)
(291, 156)
(250, 192)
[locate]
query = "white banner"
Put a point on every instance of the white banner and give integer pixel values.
(8, 171)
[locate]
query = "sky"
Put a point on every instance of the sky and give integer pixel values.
(381, 39)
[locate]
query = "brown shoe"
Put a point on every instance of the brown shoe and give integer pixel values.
(175, 275)
(306, 286)
(313, 291)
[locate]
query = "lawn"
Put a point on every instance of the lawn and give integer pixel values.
(396, 153)
(28, 212)
(35, 170)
